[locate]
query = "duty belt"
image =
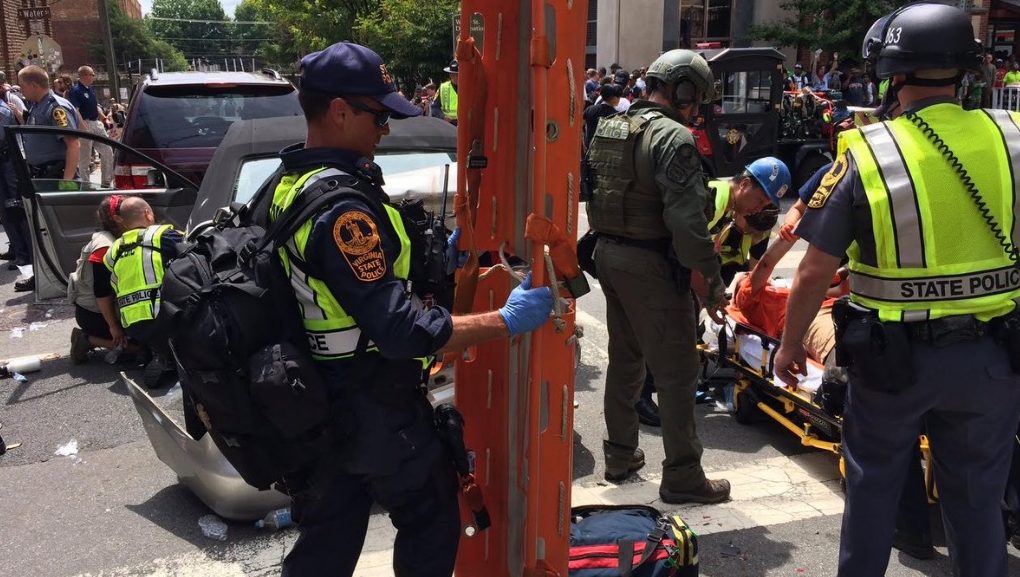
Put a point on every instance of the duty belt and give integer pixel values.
(939, 332)
(137, 297)
(657, 244)
(948, 330)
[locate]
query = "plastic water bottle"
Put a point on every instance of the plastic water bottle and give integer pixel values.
(275, 520)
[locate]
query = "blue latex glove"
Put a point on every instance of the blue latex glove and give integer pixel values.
(455, 259)
(527, 308)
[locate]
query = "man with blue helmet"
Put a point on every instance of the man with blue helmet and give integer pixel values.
(743, 212)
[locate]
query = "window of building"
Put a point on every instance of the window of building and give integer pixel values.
(705, 21)
(592, 34)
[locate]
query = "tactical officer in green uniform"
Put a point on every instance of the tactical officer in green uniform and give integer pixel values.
(370, 333)
(925, 206)
(648, 208)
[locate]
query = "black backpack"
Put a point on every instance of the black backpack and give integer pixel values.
(233, 324)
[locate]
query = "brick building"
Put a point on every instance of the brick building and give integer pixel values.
(73, 24)
(76, 25)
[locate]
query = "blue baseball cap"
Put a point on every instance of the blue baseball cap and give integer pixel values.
(347, 69)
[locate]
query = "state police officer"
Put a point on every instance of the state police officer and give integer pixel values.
(12, 215)
(930, 331)
(49, 156)
(349, 267)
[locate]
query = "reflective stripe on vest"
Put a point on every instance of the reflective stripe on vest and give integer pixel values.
(448, 99)
(722, 200)
(332, 333)
(935, 255)
(135, 262)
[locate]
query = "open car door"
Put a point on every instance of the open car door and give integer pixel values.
(62, 213)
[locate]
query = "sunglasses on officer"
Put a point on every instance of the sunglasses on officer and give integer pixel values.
(382, 117)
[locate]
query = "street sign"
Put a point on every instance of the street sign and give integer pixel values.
(34, 13)
(477, 31)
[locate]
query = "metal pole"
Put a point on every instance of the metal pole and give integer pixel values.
(111, 60)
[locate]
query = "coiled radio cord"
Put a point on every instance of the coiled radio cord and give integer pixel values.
(968, 184)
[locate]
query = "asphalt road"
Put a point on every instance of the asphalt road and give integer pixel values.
(113, 509)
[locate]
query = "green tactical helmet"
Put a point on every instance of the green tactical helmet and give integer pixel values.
(677, 65)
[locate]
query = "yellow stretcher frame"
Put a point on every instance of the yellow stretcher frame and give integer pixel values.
(758, 380)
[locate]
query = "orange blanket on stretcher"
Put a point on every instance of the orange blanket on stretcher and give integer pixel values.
(765, 311)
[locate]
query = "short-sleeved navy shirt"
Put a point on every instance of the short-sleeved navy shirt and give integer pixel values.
(834, 225)
(84, 99)
(811, 185)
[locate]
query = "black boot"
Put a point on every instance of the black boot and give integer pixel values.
(648, 412)
(25, 285)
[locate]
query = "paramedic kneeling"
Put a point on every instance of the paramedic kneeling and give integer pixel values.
(942, 356)
(136, 262)
(372, 338)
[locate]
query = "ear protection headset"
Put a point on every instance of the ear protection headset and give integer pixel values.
(684, 93)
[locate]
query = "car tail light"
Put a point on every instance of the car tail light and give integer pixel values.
(132, 176)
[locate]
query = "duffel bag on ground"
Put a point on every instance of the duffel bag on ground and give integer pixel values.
(630, 541)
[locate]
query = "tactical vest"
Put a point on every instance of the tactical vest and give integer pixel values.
(80, 283)
(626, 201)
(135, 262)
(333, 334)
(448, 99)
(935, 254)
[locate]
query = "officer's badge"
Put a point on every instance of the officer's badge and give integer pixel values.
(829, 182)
(386, 76)
(357, 237)
(60, 117)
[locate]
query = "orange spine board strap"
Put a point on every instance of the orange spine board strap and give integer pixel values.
(542, 230)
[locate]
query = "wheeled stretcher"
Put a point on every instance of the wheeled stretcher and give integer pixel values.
(812, 412)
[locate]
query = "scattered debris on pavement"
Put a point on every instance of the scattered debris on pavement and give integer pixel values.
(213, 527)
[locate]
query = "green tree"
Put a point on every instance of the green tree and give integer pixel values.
(414, 37)
(198, 28)
(133, 41)
(250, 39)
(813, 24)
(303, 26)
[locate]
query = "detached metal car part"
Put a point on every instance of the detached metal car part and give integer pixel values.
(199, 465)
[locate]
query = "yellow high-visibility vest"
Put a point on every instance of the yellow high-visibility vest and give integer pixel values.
(135, 262)
(448, 99)
(332, 332)
(935, 255)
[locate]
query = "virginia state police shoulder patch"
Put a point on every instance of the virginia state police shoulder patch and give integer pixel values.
(60, 117)
(357, 237)
(829, 182)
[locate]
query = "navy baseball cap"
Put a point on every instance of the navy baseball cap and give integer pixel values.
(350, 69)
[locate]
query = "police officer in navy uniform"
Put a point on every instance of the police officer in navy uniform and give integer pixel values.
(930, 332)
(49, 156)
(12, 212)
(371, 336)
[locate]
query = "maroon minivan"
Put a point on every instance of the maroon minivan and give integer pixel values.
(179, 118)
